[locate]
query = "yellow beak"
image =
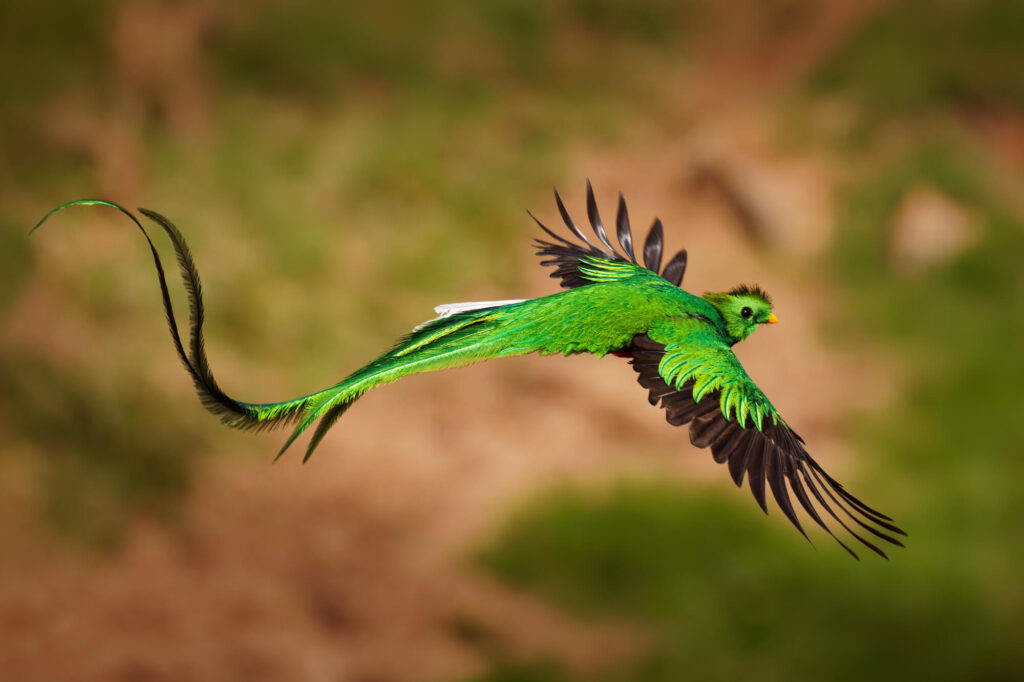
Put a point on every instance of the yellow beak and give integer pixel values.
(772, 319)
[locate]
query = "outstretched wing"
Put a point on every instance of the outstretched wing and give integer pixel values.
(572, 259)
(702, 383)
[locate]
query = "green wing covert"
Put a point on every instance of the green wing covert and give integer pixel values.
(699, 381)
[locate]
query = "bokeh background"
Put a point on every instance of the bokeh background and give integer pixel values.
(339, 169)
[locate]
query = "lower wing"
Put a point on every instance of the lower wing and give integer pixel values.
(720, 411)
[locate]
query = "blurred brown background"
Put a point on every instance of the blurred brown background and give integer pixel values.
(339, 170)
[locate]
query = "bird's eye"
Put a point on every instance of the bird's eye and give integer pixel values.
(746, 312)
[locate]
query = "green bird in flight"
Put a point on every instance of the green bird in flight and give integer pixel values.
(679, 344)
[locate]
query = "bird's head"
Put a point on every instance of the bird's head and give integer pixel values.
(743, 309)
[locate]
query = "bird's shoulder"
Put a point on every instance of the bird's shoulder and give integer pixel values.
(697, 351)
(689, 320)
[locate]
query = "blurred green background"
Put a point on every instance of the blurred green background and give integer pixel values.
(338, 170)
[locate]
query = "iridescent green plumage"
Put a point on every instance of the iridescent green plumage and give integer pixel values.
(679, 344)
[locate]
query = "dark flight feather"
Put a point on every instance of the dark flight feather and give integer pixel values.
(566, 256)
(652, 246)
(676, 268)
(595, 219)
(622, 230)
(571, 224)
(771, 460)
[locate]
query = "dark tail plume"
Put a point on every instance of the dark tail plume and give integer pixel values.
(231, 412)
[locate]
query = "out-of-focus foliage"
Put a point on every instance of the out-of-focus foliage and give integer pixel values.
(731, 594)
(954, 328)
(466, 48)
(916, 55)
(53, 47)
(15, 261)
(107, 453)
(536, 671)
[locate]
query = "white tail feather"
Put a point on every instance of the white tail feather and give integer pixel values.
(448, 309)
